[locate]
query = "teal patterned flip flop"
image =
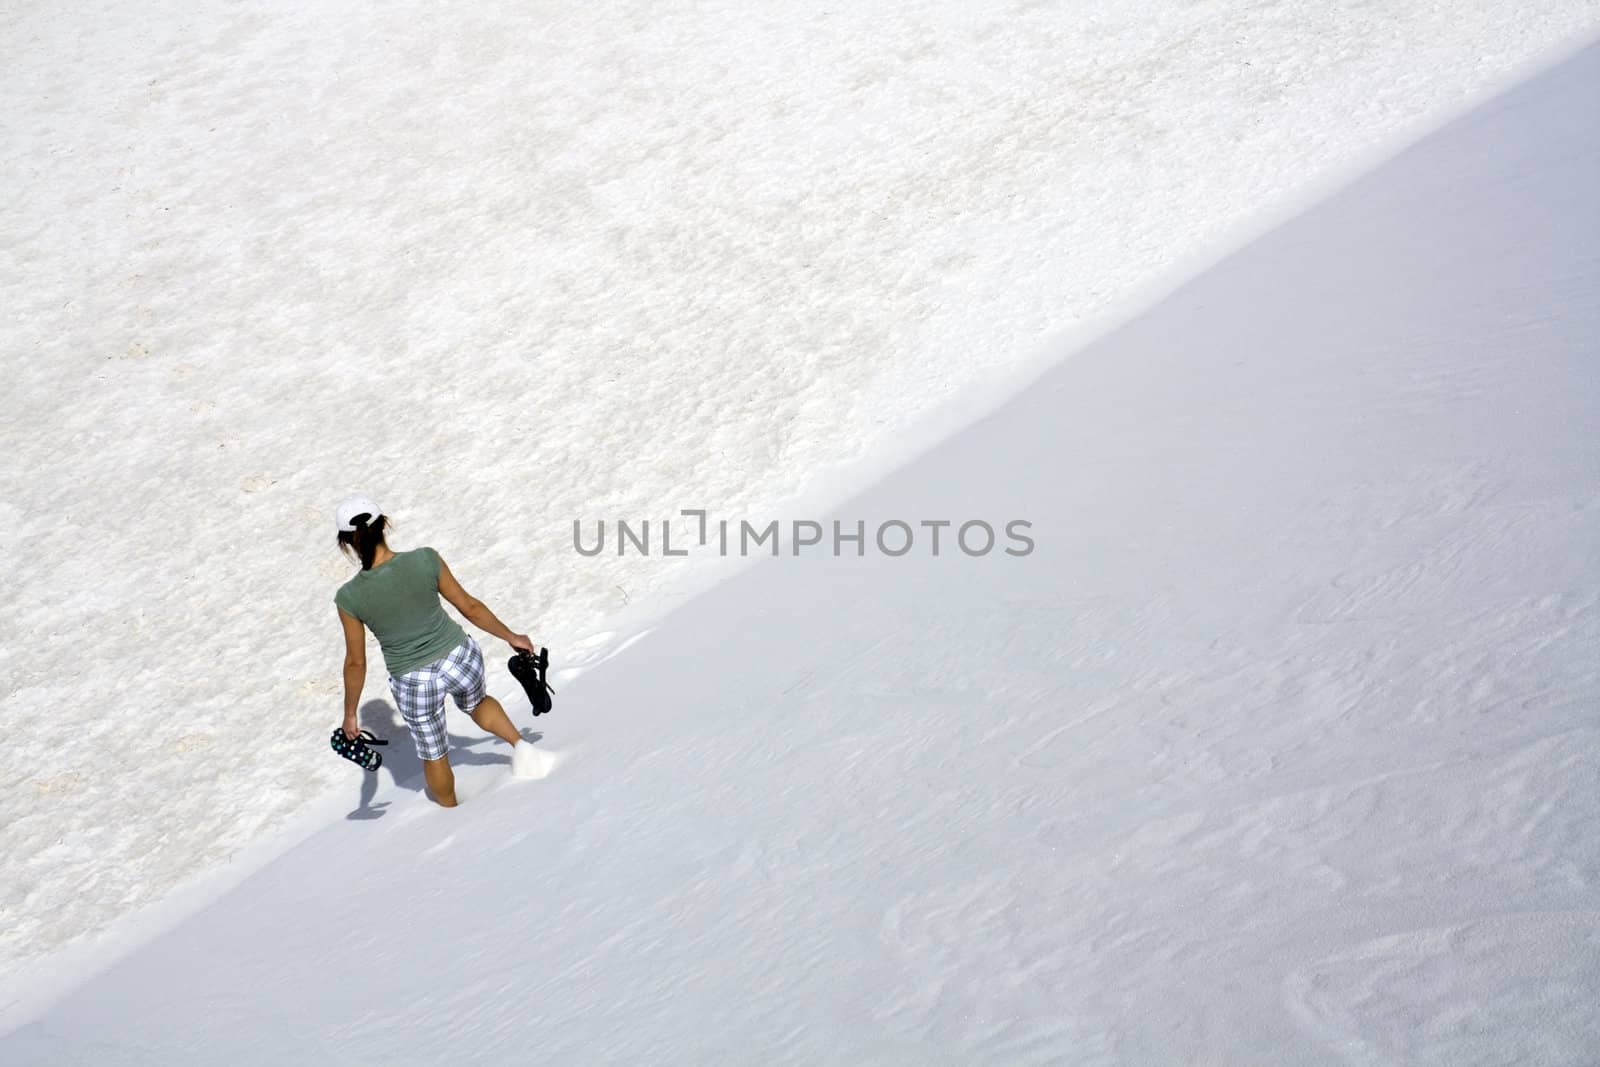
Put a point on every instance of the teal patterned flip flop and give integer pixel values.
(358, 751)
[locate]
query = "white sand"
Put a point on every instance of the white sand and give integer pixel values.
(1279, 749)
(509, 266)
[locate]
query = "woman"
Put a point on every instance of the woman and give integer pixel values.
(427, 654)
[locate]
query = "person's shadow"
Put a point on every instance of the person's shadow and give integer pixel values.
(400, 760)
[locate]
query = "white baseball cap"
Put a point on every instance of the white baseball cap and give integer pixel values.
(351, 506)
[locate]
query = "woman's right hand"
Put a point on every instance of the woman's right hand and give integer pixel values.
(521, 643)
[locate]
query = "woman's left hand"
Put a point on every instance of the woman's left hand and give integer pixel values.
(351, 727)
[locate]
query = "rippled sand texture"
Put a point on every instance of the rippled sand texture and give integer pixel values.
(510, 265)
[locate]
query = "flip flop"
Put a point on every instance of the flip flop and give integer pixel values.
(529, 670)
(357, 751)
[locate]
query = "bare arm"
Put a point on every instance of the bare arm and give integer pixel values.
(355, 668)
(475, 611)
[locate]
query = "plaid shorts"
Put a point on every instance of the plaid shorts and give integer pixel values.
(420, 694)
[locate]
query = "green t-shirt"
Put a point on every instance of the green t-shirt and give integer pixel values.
(399, 602)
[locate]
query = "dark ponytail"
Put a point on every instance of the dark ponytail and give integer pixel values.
(363, 541)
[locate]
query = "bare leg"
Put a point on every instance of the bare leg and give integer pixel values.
(492, 717)
(441, 781)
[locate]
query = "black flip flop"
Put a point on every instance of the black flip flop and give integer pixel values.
(529, 670)
(357, 751)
